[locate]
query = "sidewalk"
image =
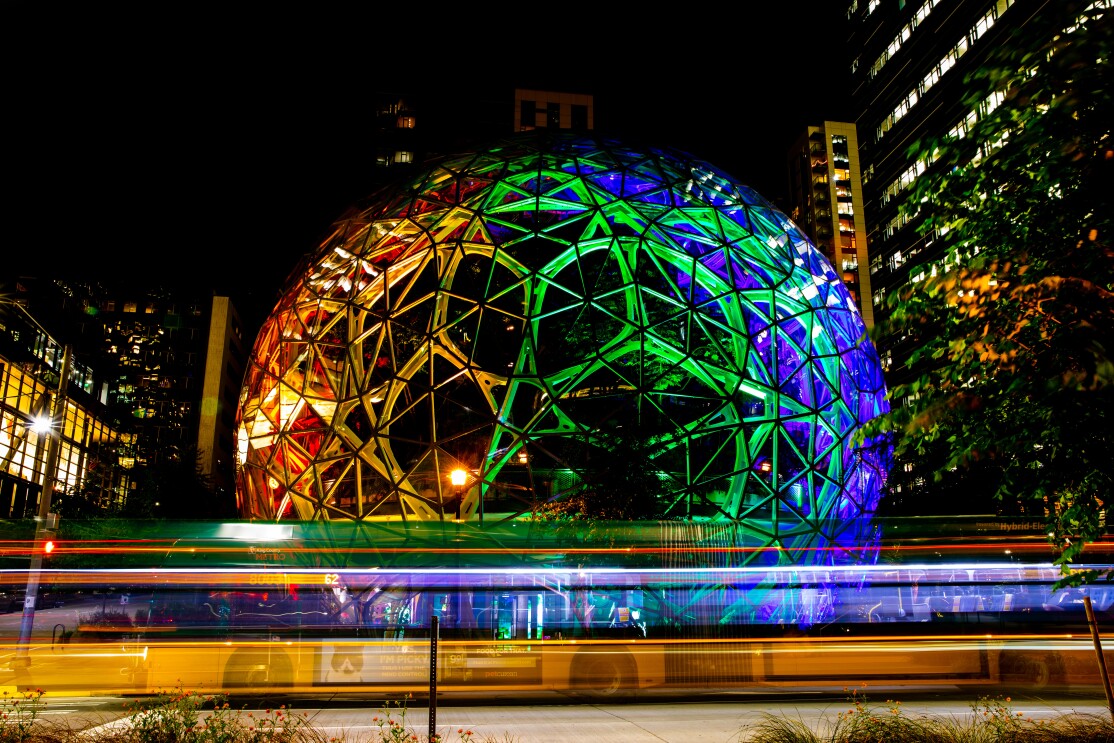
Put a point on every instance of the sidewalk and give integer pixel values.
(667, 722)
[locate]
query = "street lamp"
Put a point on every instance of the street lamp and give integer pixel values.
(458, 477)
(40, 425)
(46, 523)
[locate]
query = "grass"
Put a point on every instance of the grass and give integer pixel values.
(180, 716)
(992, 720)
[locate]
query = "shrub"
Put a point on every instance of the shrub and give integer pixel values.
(18, 714)
(175, 717)
(393, 728)
(991, 721)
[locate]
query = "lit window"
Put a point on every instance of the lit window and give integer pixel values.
(982, 26)
(894, 225)
(934, 74)
(405, 122)
(404, 157)
(129, 306)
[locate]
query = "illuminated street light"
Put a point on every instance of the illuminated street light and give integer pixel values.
(46, 523)
(41, 424)
(458, 477)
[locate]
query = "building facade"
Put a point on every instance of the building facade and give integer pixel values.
(908, 85)
(169, 367)
(397, 142)
(35, 407)
(223, 373)
(548, 109)
(826, 201)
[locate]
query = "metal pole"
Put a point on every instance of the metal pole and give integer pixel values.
(45, 522)
(433, 632)
(1098, 652)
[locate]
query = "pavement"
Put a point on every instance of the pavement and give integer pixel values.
(667, 721)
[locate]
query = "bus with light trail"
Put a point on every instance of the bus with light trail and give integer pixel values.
(324, 608)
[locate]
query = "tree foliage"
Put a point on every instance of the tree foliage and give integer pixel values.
(1011, 333)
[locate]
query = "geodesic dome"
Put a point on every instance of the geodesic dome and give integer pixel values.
(555, 315)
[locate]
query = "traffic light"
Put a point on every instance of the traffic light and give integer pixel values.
(47, 530)
(46, 543)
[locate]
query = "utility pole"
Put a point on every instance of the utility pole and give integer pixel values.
(46, 522)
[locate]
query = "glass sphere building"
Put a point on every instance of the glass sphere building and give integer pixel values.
(562, 323)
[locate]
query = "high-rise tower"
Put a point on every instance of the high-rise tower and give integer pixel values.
(908, 85)
(826, 201)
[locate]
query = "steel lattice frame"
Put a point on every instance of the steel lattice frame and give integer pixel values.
(515, 311)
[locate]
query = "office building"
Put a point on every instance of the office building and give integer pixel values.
(417, 125)
(547, 109)
(36, 411)
(169, 365)
(222, 375)
(825, 200)
(396, 140)
(908, 84)
(910, 73)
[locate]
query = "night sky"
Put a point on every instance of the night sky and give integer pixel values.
(217, 146)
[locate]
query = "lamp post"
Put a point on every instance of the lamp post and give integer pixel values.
(45, 522)
(458, 477)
